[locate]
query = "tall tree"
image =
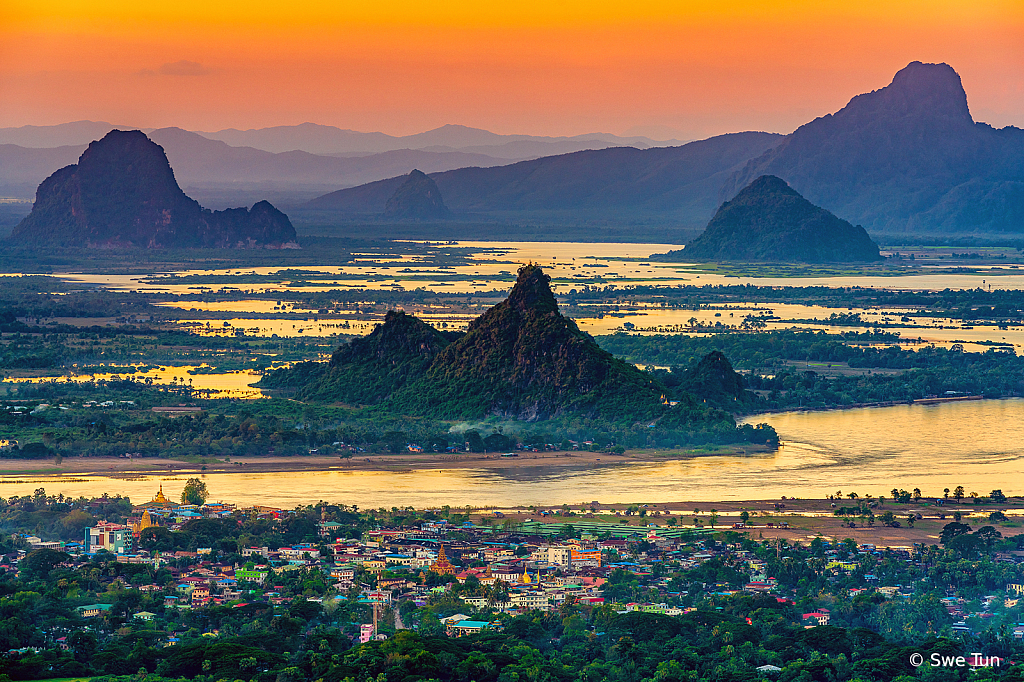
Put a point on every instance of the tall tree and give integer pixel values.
(195, 492)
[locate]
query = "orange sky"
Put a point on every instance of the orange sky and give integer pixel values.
(688, 68)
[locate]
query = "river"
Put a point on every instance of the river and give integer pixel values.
(976, 444)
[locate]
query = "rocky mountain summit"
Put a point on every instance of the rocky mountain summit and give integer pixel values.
(524, 360)
(908, 157)
(122, 193)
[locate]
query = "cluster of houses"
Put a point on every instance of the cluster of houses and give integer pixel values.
(536, 566)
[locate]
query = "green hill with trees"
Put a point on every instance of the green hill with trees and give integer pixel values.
(369, 370)
(523, 359)
(770, 221)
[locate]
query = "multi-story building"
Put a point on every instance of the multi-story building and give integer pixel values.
(530, 601)
(257, 551)
(109, 536)
(585, 557)
(251, 575)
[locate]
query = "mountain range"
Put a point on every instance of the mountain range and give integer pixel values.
(670, 183)
(293, 163)
(905, 159)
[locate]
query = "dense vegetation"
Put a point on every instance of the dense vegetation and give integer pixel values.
(772, 360)
(770, 221)
(300, 627)
(523, 359)
(369, 370)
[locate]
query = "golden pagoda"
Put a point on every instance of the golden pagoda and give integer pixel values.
(442, 566)
(160, 501)
(145, 521)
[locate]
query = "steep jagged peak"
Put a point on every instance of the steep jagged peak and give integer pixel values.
(523, 359)
(918, 93)
(532, 292)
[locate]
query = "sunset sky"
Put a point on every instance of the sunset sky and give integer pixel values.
(685, 69)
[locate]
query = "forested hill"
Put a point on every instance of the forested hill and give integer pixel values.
(769, 221)
(817, 370)
(523, 359)
(520, 360)
(368, 370)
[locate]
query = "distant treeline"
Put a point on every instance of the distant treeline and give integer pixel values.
(974, 303)
(923, 372)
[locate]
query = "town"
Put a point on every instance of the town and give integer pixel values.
(169, 576)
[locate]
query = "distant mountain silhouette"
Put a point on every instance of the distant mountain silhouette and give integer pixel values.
(672, 181)
(77, 133)
(122, 192)
(769, 221)
(416, 199)
(908, 157)
(22, 169)
(222, 175)
(322, 139)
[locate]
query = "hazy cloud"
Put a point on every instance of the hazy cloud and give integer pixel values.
(183, 67)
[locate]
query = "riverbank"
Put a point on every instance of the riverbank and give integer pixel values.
(792, 520)
(413, 461)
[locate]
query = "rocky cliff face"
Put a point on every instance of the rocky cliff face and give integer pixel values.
(122, 192)
(769, 221)
(523, 359)
(417, 198)
(907, 157)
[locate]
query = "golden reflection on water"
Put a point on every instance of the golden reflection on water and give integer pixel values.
(976, 444)
(219, 385)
